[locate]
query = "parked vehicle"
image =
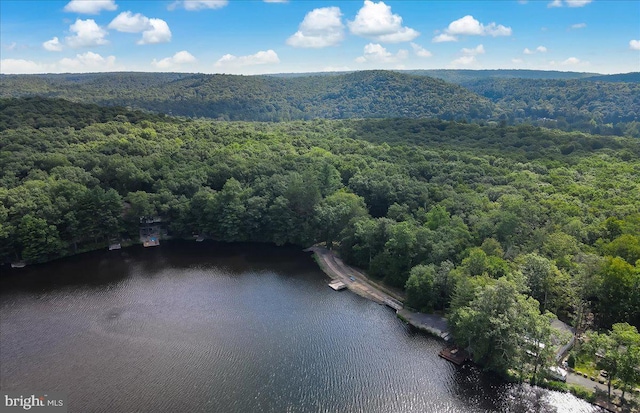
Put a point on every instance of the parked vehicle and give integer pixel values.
(558, 373)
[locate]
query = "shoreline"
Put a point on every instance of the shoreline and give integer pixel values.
(359, 283)
(432, 324)
(336, 269)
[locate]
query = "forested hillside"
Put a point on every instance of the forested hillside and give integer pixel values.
(263, 98)
(461, 76)
(599, 107)
(568, 101)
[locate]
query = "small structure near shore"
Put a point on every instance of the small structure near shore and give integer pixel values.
(115, 246)
(19, 264)
(337, 285)
(455, 355)
(150, 230)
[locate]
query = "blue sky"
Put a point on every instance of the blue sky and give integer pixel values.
(271, 36)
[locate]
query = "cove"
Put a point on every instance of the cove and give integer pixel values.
(213, 327)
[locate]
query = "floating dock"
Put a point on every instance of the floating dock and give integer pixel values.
(455, 355)
(337, 285)
(115, 246)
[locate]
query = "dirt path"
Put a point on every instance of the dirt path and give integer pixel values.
(355, 281)
(360, 284)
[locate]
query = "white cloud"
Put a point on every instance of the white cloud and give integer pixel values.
(420, 51)
(634, 44)
(376, 21)
(158, 33)
(87, 62)
(468, 57)
(260, 58)
(178, 59)
(469, 26)
(377, 53)
(52, 45)
(479, 49)
(465, 25)
(444, 37)
(130, 23)
(195, 5)
(153, 30)
(571, 61)
(320, 28)
(10, 47)
(464, 61)
(276, 1)
(539, 49)
(577, 3)
(90, 6)
(87, 34)
(19, 66)
(517, 61)
(578, 26)
(570, 3)
(496, 30)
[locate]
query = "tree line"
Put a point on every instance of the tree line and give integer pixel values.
(604, 105)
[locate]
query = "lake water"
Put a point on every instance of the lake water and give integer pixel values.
(208, 327)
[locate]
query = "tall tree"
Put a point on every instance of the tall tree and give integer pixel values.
(38, 240)
(333, 214)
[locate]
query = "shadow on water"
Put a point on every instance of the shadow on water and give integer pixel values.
(101, 268)
(92, 269)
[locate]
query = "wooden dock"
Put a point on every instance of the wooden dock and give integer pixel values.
(337, 285)
(455, 355)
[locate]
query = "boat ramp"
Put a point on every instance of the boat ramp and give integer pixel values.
(337, 285)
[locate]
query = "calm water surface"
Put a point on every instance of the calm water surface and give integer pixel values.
(210, 327)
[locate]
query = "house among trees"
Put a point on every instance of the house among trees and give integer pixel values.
(150, 231)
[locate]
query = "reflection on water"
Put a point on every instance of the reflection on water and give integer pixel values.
(212, 327)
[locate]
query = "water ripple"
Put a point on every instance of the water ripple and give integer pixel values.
(218, 328)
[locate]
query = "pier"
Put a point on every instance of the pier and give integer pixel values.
(455, 355)
(337, 285)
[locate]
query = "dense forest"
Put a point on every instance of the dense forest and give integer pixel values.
(263, 98)
(480, 221)
(607, 105)
(609, 108)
